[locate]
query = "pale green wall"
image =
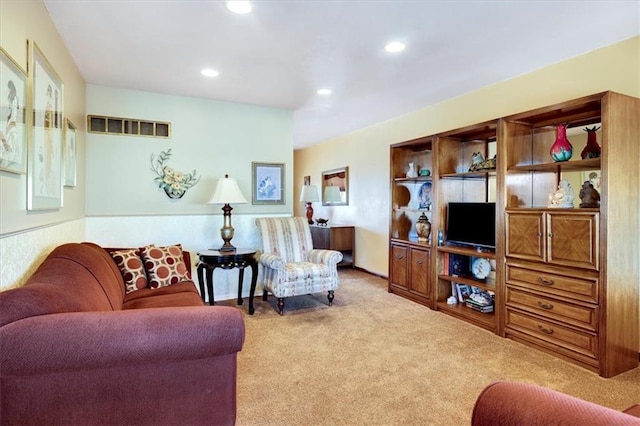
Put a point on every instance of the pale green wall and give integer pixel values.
(214, 138)
(366, 151)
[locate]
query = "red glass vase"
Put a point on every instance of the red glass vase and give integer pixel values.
(591, 149)
(561, 150)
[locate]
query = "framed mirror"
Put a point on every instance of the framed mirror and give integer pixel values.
(335, 187)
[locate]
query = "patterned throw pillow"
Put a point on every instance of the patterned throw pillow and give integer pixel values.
(164, 265)
(131, 268)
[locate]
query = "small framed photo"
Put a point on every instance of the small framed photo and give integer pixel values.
(69, 154)
(44, 174)
(593, 176)
(13, 126)
(267, 183)
(464, 291)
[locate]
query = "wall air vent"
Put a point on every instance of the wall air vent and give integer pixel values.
(128, 126)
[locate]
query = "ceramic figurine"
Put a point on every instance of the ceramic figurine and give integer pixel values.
(563, 197)
(412, 171)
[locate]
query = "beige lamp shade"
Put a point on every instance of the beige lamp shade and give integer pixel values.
(227, 192)
(332, 194)
(309, 194)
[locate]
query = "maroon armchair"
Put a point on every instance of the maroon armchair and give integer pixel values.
(511, 403)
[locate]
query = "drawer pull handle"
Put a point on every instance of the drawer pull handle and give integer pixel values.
(545, 330)
(544, 281)
(545, 305)
(399, 256)
(420, 261)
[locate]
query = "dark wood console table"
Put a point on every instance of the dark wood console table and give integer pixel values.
(209, 260)
(336, 237)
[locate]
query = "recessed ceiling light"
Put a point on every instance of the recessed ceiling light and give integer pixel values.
(240, 7)
(394, 47)
(324, 91)
(208, 72)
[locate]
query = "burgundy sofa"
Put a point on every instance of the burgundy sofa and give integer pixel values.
(512, 403)
(75, 350)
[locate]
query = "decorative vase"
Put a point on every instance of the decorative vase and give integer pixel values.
(561, 150)
(174, 194)
(423, 228)
(591, 149)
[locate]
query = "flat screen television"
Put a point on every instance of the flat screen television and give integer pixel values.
(472, 224)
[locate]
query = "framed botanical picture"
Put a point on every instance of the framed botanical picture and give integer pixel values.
(13, 126)
(69, 154)
(44, 171)
(267, 183)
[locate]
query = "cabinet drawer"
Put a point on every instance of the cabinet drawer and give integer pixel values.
(576, 315)
(576, 341)
(584, 289)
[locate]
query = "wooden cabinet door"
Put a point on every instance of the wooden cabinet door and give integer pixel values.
(572, 239)
(420, 283)
(525, 232)
(398, 274)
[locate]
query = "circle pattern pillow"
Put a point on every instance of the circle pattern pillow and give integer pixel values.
(131, 268)
(164, 265)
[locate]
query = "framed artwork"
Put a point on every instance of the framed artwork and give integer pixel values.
(307, 180)
(69, 154)
(335, 187)
(13, 126)
(267, 183)
(593, 176)
(44, 171)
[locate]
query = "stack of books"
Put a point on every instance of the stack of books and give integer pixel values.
(481, 302)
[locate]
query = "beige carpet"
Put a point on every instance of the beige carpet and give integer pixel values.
(374, 358)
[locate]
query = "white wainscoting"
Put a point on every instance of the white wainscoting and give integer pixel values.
(194, 232)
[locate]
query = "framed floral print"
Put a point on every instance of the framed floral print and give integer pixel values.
(13, 126)
(267, 183)
(44, 171)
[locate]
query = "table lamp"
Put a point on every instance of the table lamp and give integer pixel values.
(309, 195)
(332, 195)
(227, 192)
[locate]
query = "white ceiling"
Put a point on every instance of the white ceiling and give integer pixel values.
(281, 53)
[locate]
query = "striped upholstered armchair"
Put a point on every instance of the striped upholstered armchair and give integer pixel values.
(291, 266)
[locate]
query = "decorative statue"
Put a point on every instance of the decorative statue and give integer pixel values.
(412, 171)
(589, 196)
(563, 197)
(479, 163)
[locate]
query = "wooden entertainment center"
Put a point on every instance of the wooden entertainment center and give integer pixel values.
(562, 280)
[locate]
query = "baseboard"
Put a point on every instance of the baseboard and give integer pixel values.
(357, 268)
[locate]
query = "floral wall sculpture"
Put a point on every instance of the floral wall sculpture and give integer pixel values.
(174, 183)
